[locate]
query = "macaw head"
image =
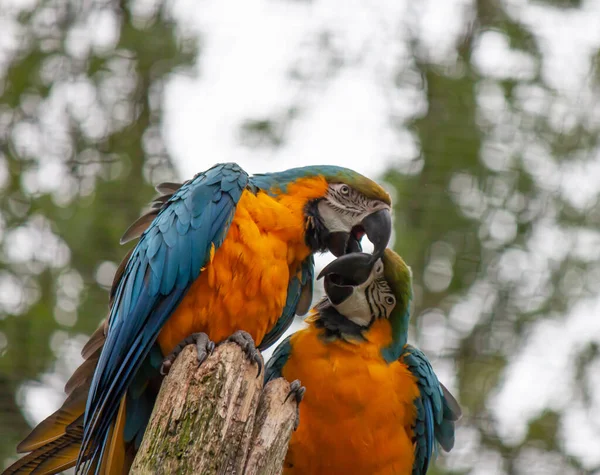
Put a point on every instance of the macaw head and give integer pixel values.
(364, 288)
(341, 206)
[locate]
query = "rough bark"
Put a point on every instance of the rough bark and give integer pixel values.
(204, 419)
(273, 428)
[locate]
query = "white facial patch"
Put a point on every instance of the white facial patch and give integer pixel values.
(337, 220)
(343, 208)
(358, 309)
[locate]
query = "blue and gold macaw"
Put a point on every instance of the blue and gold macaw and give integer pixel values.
(372, 403)
(222, 254)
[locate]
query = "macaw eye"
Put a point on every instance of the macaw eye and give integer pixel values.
(390, 300)
(379, 268)
(345, 190)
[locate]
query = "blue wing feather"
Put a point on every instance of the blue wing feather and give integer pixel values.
(435, 414)
(160, 270)
(295, 287)
(278, 359)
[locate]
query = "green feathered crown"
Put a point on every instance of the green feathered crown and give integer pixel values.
(331, 173)
(399, 277)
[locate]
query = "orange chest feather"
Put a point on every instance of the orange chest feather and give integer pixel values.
(244, 285)
(357, 413)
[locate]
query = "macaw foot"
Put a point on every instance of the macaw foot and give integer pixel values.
(203, 344)
(246, 343)
(297, 392)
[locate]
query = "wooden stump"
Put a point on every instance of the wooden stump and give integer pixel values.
(216, 419)
(273, 428)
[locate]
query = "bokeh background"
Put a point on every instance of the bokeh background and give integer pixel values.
(481, 116)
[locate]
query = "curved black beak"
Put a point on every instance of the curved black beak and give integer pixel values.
(378, 228)
(340, 243)
(345, 273)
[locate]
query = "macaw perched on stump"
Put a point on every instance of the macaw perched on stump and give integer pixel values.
(221, 256)
(373, 404)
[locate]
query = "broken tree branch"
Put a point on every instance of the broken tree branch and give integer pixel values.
(216, 419)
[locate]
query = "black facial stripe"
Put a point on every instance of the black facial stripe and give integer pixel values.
(344, 211)
(353, 201)
(369, 291)
(379, 301)
(361, 199)
(384, 286)
(373, 297)
(385, 291)
(375, 294)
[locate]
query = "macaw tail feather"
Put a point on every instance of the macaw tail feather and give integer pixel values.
(115, 456)
(55, 454)
(56, 425)
(61, 453)
(55, 443)
(52, 458)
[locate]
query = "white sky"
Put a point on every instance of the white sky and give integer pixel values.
(249, 50)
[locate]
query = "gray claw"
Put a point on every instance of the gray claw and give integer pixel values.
(297, 392)
(205, 348)
(203, 344)
(246, 343)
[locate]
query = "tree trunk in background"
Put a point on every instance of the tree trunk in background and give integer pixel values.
(216, 419)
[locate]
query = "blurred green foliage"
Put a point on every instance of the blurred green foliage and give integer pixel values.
(470, 199)
(72, 188)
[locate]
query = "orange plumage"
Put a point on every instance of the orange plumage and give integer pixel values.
(245, 284)
(363, 412)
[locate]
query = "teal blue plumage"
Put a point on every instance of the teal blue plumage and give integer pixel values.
(280, 180)
(435, 416)
(141, 396)
(274, 366)
(298, 287)
(158, 273)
